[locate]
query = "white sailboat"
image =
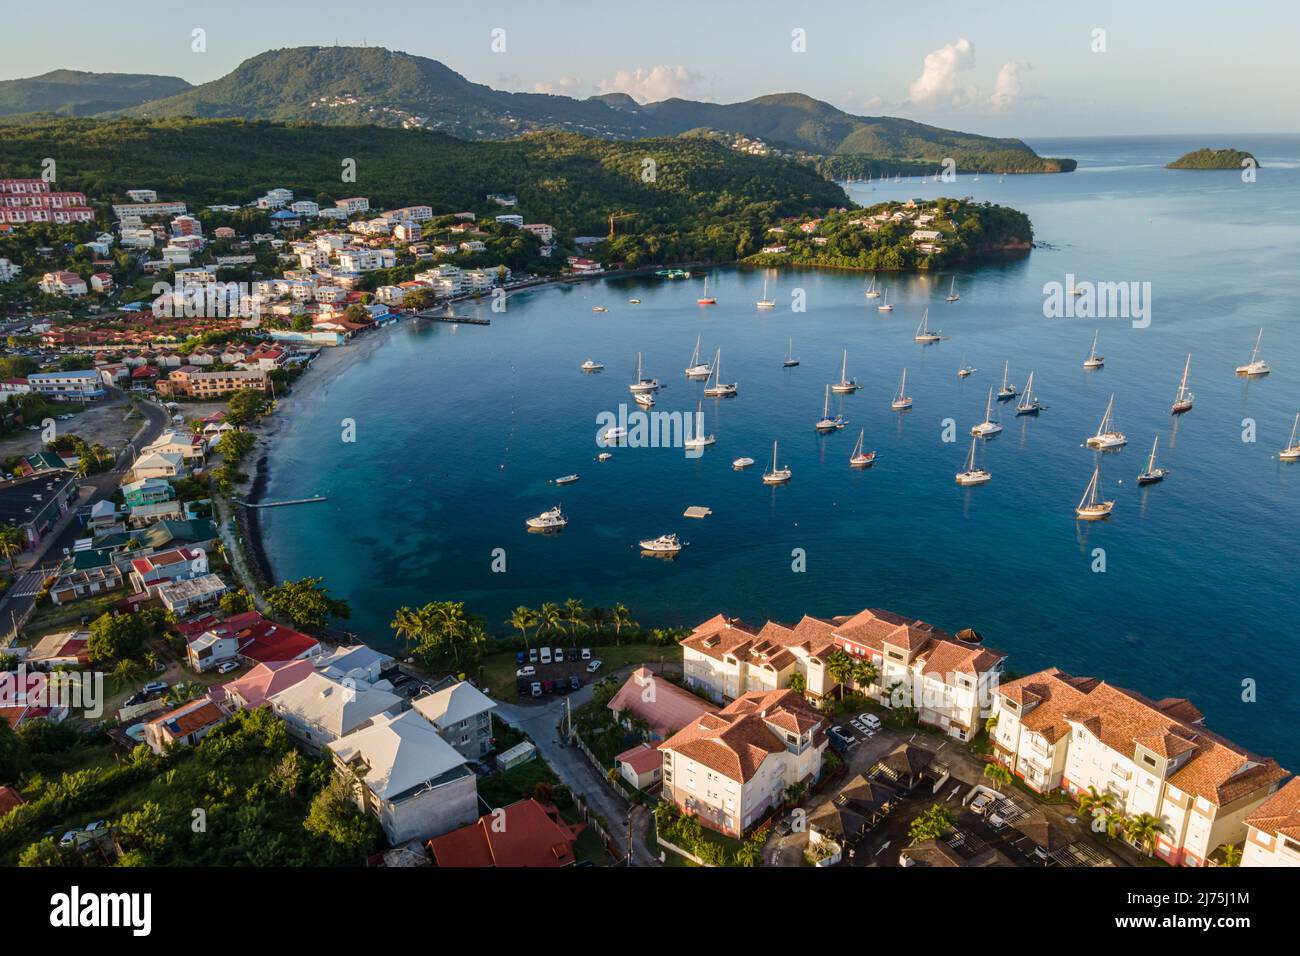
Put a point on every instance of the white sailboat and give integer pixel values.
(1151, 474)
(923, 333)
(872, 291)
(829, 423)
(860, 457)
(1029, 403)
(1107, 435)
(642, 384)
(1094, 360)
(845, 384)
(550, 520)
(695, 368)
(885, 306)
(719, 388)
(701, 440)
(765, 302)
(1292, 450)
(902, 401)
(790, 360)
(1254, 366)
(706, 299)
(1184, 399)
(970, 475)
(952, 288)
(777, 475)
(1007, 390)
(1092, 508)
(989, 427)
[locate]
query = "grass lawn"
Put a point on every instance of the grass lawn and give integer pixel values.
(499, 669)
(50, 617)
(509, 786)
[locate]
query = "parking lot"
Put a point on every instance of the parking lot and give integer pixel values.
(539, 674)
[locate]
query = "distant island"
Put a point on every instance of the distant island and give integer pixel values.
(1213, 159)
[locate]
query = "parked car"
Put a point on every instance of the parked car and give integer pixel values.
(981, 803)
(871, 720)
(559, 655)
(519, 657)
(526, 671)
(586, 653)
(561, 686)
(69, 838)
(574, 683)
(784, 827)
(593, 667)
(155, 687)
(537, 689)
(225, 667)
(546, 655)
(97, 826)
(548, 686)
(532, 655)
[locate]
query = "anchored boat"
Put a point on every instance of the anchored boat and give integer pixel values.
(1092, 508)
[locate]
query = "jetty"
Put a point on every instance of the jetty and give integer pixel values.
(434, 316)
(281, 504)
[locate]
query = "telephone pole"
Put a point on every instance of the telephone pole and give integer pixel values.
(629, 837)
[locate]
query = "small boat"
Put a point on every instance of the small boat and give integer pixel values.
(642, 384)
(664, 544)
(778, 475)
(966, 371)
(1184, 399)
(1107, 435)
(902, 401)
(790, 360)
(885, 306)
(872, 292)
(591, 365)
(695, 368)
(701, 440)
(765, 302)
(719, 388)
(1029, 403)
(952, 288)
(615, 434)
(633, 301)
(740, 464)
(1091, 508)
(605, 456)
(1254, 366)
(599, 308)
(1292, 451)
(845, 384)
(1151, 474)
(552, 520)
(644, 399)
(566, 479)
(827, 423)
(1007, 390)
(987, 428)
(1094, 360)
(970, 475)
(861, 458)
(706, 299)
(1074, 290)
(923, 333)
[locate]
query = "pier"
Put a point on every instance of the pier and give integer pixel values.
(281, 504)
(466, 319)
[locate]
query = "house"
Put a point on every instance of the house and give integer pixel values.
(142, 516)
(462, 714)
(1273, 829)
(253, 689)
(731, 768)
(522, 834)
(35, 504)
(318, 710)
(1059, 732)
(906, 767)
(725, 658)
(209, 650)
(147, 491)
(182, 597)
(358, 662)
(76, 583)
(150, 572)
(103, 514)
(68, 386)
(158, 465)
(67, 648)
(63, 283)
(259, 641)
(25, 696)
(186, 725)
(406, 775)
(38, 462)
(189, 447)
(101, 282)
(662, 705)
(10, 799)
(641, 766)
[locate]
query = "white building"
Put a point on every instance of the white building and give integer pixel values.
(63, 283)
(353, 205)
(1273, 830)
(8, 270)
(68, 386)
(462, 714)
(318, 711)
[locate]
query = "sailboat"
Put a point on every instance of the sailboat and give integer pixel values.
(861, 458)
(777, 475)
(701, 440)
(1254, 366)
(642, 384)
(970, 475)
(952, 289)
(1007, 390)
(1029, 403)
(719, 388)
(1292, 451)
(845, 384)
(1151, 474)
(765, 302)
(706, 299)
(885, 306)
(827, 423)
(923, 333)
(1107, 436)
(1094, 360)
(695, 368)
(1184, 399)
(902, 401)
(872, 291)
(1090, 507)
(987, 428)
(790, 360)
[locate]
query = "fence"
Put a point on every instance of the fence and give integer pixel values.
(612, 847)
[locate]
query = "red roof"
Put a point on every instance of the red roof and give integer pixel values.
(530, 834)
(642, 758)
(10, 799)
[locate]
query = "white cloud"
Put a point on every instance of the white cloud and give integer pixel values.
(938, 83)
(564, 86)
(651, 85)
(1008, 86)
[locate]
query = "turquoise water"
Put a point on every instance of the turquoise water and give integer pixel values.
(459, 429)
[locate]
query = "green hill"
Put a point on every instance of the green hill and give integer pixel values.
(1212, 159)
(74, 93)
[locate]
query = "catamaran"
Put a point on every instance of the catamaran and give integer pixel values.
(902, 401)
(1092, 508)
(1254, 366)
(1292, 451)
(1029, 403)
(765, 302)
(1107, 435)
(1151, 474)
(552, 520)
(706, 299)
(696, 368)
(970, 475)
(665, 544)
(872, 291)
(827, 423)
(952, 288)
(700, 441)
(845, 384)
(885, 306)
(923, 333)
(719, 388)
(1094, 360)
(642, 384)
(790, 360)
(987, 428)
(861, 458)
(1184, 399)
(777, 475)
(1007, 390)
(591, 365)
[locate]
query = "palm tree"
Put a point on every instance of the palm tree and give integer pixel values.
(522, 618)
(1094, 804)
(840, 666)
(11, 543)
(1114, 823)
(126, 672)
(865, 673)
(451, 624)
(551, 616)
(1229, 855)
(408, 625)
(151, 660)
(1144, 829)
(575, 613)
(597, 616)
(998, 773)
(621, 617)
(990, 724)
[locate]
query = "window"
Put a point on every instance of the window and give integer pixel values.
(1149, 760)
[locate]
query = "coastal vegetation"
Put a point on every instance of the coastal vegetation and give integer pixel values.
(1214, 159)
(306, 603)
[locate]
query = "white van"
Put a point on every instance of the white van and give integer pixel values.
(546, 655)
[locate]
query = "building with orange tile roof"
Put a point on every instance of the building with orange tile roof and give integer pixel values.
(187, 724)
(526, 833)
(1273, 829)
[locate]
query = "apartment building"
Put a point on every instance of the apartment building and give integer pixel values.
(143, 210)
(68, 386)
(32, 200)
(190, 382)
(1058, 732)
(731, 768)
(1273, 830)
(63, 283)
(8, 270)
(317, 711)
(462, 714)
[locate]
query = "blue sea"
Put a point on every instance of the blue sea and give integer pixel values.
(459, 430)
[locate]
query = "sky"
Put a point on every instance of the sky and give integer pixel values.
(1007, 68)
